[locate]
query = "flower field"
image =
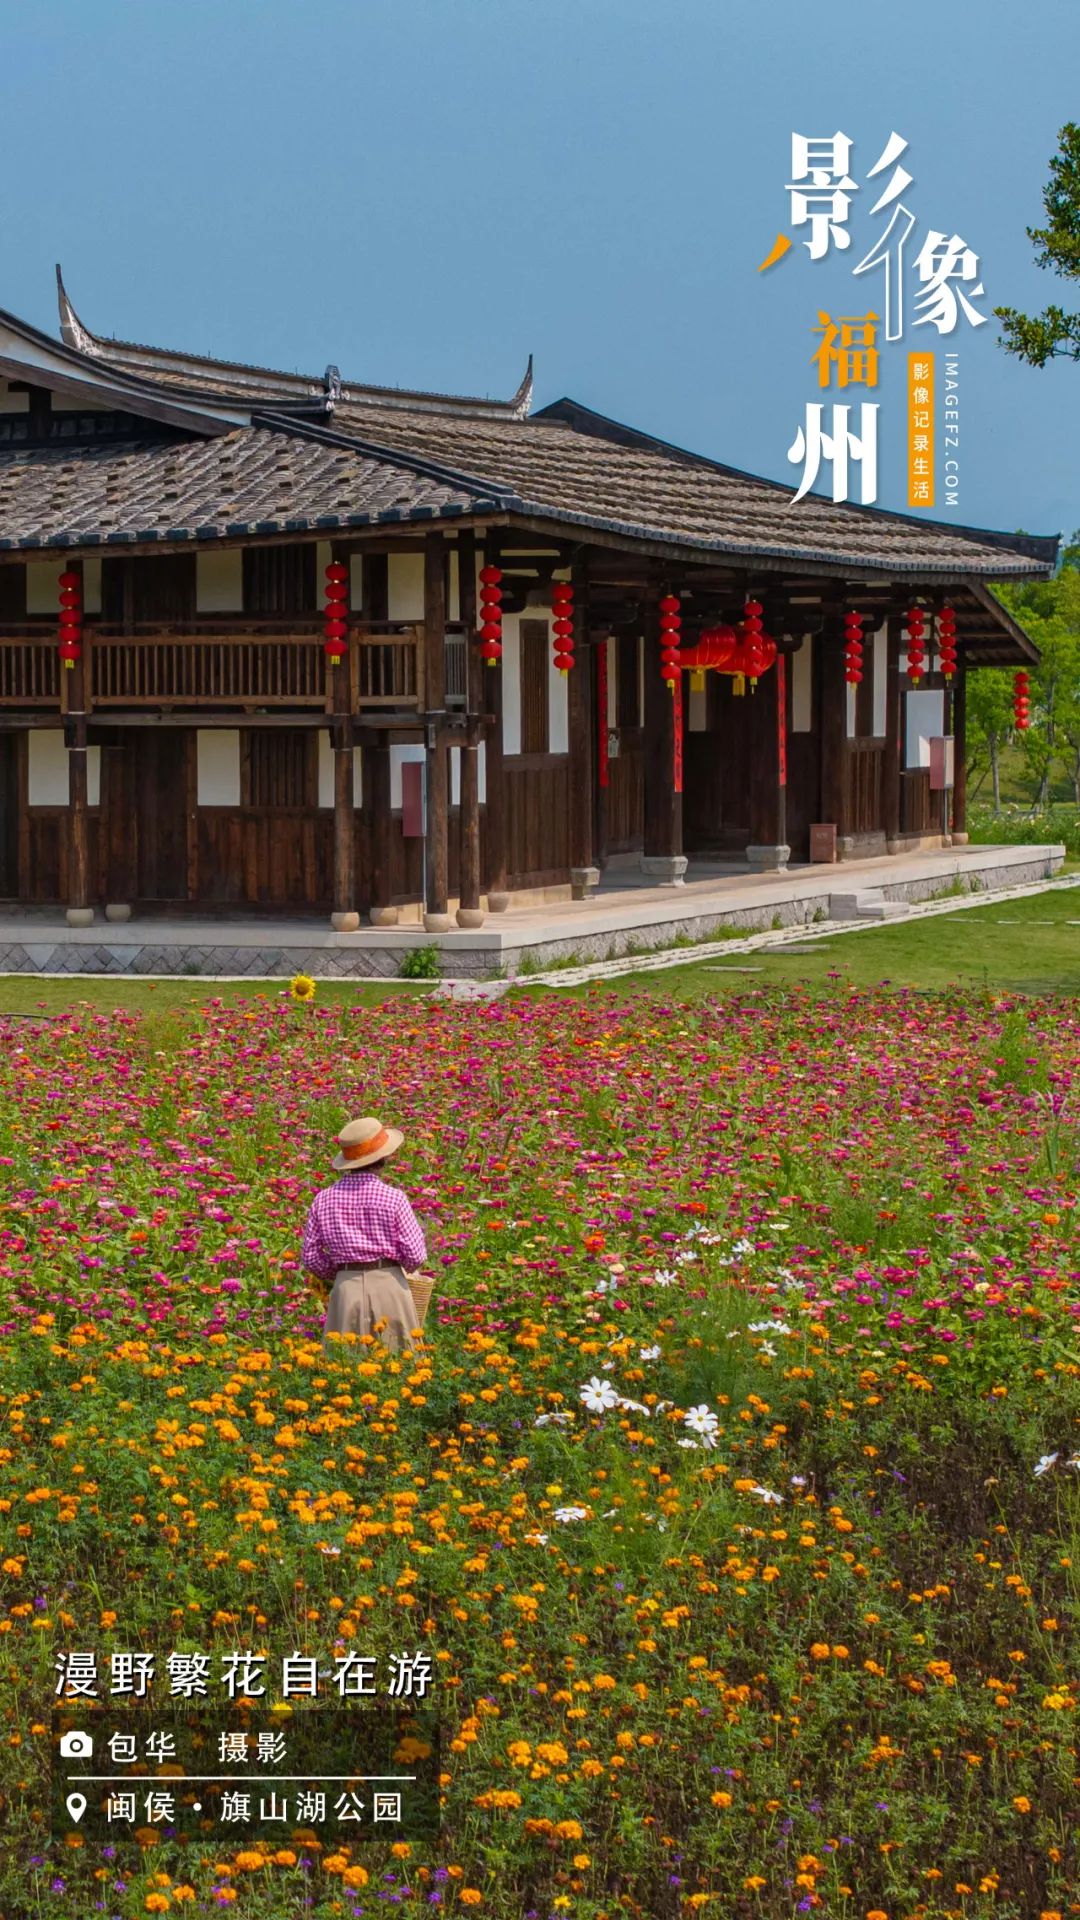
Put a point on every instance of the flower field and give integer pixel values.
(735, 1495)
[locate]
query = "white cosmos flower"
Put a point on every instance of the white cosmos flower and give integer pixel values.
(683, 1259)
(769, 1326)
(662, 1406)
(665, 1277)
(743, 1246)
(702, 1419)
(1074, 1462)
(634, 1406)
(566, 1514)
(767, 1348)
(770, 1498)
(536, 1539)
(687, 1443)
(559, 1419)
(598, 1395)
(333, 1550)
(798, 1480)
(1046, 1463)
(649, 1353)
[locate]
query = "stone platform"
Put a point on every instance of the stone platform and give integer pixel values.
(628, 914)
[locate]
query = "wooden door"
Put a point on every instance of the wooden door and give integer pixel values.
(153, 794)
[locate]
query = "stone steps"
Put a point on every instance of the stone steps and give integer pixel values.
(868, 903)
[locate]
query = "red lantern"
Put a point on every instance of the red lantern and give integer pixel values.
(670, 630)
(946, 626)
(490, 614)
(70, 647)
(1021, 705)
(335, 613)
(916, 651)
(714, 649)
(562, 625)
(754, 652)
(853, 649)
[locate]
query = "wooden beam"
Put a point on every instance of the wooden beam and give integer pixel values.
(438, 785)
(498, 898)
(894, 745)
(580, 733)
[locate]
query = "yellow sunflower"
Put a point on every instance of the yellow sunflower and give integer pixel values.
(302, 987)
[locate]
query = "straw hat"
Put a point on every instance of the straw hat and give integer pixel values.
(365, 1143)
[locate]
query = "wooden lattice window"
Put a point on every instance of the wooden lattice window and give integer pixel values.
(535, 649)
(280, 580)
(279, 767)
(628, 681)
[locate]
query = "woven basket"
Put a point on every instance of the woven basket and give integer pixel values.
(421, 1286)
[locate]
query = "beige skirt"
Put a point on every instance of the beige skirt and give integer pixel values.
(361, 1296)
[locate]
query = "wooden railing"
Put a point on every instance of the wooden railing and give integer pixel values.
(29, 668)
(235, 662)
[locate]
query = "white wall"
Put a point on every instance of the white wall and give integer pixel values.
(880, 671)
(924, 717)
(326, 772)
(802, 685)
(219, 581)
(48, 770)
(218, 754)
(455, 775)
(405, 586)
(43, 586)
(511, 673)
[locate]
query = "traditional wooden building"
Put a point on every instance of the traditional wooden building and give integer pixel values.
(277, 642)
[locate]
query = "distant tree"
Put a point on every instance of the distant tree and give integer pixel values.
(1055, 334)
(1049, 611)
(989, 719)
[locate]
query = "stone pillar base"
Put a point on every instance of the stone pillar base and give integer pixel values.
(437, 923)
(668, 870)
(383, 916)
(80, 916)
(345, 922)
(960, 839)
(470, 917)
(498, 902)
(117, 912)
(583, 882)
(768, 859)
(895, 846)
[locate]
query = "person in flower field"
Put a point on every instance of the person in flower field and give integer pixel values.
(362, 1236)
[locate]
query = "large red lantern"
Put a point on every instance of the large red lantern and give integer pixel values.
(714, 649)
(562, 606)
(1021, 703)
(916, 651)
(670, 629)
(490, 614)
(335, 613)
(754, 651)
(70, 647)
(853, 649)
(946, 628)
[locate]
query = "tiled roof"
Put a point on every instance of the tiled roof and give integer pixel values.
(253, 480)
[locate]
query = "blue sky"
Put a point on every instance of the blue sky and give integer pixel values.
(426, 191)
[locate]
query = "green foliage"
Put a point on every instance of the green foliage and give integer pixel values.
(421, 963)
(1053, 334)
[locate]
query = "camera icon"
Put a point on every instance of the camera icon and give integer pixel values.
(76, 1746)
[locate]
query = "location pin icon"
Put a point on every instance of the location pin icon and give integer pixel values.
(76, 1806)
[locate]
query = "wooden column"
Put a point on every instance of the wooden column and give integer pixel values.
(379, 823)
(469, 912)
(768, 849)
(436, 917)
(894, 744)
(959, 725)
(118, 830)
(584, 875)
(498, 899)
(80, 912)
(832, 708)
(344, 918)
(598, 669)
(663, 859)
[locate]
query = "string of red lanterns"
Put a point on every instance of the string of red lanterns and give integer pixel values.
(754, 651)
(71, 615)
(1021, 702)
(670, 632)
(335, 618)
(562, 605)
(853, 648)
(946, 629)
(490, 614)
(916, 651)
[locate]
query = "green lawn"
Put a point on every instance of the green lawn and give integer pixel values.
(58, 993)
(1030, 945)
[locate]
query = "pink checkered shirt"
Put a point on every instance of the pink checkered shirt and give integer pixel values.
(357, 1221)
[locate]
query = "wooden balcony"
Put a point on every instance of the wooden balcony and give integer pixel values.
(231, 663)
